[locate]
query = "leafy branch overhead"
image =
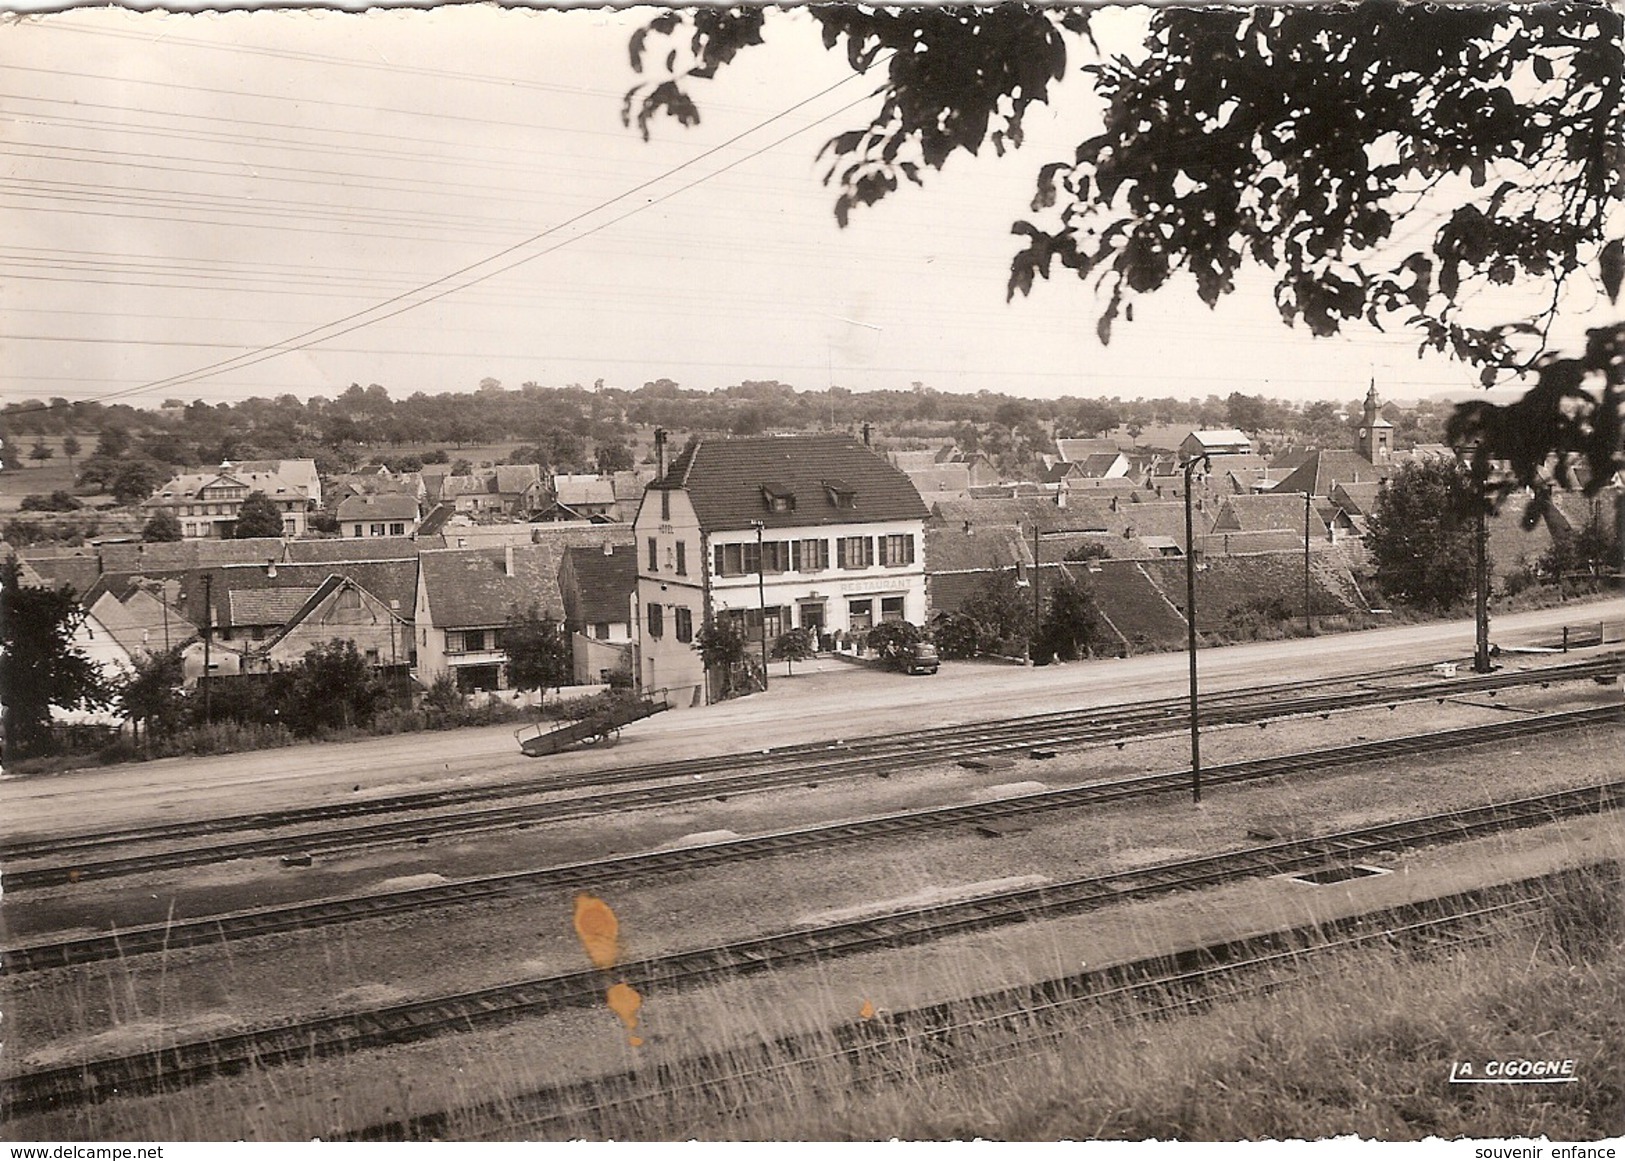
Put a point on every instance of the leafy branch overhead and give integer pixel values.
(1384, 162)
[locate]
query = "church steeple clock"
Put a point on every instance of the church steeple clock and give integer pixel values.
(1376, 433)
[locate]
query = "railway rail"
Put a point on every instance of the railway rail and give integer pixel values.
(191, 1061)
(697, 779)
(996, 1027)
(180, 933)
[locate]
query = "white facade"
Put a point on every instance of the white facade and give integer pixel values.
(838, 580)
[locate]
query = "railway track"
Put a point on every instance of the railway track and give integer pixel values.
(205, 930)
(188, 1062)
(1008, 1024)
(697, 779)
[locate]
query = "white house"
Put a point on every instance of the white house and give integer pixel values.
(779, 532)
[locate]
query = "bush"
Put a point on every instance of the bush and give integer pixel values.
(57, 501)
(893, 641)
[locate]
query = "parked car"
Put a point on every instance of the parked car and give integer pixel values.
(922, 659)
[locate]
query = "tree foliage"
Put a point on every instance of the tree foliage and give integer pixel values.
(793, 645)
(539, 655)
(259, 516)
(39, 665)
(893, 641)
(1385, 163)
(1422, 533)
(1071, 626)
(163, 526)
(151, 696)
(332, 687)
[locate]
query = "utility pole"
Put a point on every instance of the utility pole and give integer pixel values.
(761, 596)
(1190, 626)
(1038, 603)
(208, 626)
(1308, 622)
(1481, 602)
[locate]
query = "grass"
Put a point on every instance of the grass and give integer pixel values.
(1359, 1044)
(1364, 1047)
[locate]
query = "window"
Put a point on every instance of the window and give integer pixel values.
(397, 529)
(357, 531)
(654, 555)
(600, 630)
(665, 504)
(473, 640)
(736, 559)
(682, 559)
(657, 621)
(372, 657)
(891, 608)
(377, 529)
(776, 556)
(684, 618)
(896, 550)
(454, 641)
(814, 555)
(841, 495)
(855, 551)
(860, 615)
(778, 498)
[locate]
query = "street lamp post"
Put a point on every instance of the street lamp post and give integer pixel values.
(761, 596)
(1190, 625)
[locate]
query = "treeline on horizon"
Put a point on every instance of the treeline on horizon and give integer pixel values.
(577, 428)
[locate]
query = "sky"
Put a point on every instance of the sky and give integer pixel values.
(427, 198)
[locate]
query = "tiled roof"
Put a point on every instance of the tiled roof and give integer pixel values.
(1233, 543)
(724, 478)
(351, 548)
(1134, 605)
(516, 479)
(79, 573)
(1075, 450)
(264, 606)
(1270, 511)
(388, 580)
(1357, 499)
(397, 506)
(1322, 469)
(605, 581)
(190, 554)
(1079, 515)
(470, 588)
(574, 491)
(1218, 438)
(1232, 583)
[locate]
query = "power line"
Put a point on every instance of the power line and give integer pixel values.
(314, 335)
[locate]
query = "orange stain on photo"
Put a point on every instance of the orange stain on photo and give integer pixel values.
(598, 930)
(867, 1012)
(625, 1001)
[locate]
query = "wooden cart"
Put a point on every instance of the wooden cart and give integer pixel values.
(599, 727)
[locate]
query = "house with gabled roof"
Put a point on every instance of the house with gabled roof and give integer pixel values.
(775, 532)
(466, 597)
(207, 504)
(341, 608)
(377, 515)
(599, 586)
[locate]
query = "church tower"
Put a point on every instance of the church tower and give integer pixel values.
(1376, 433)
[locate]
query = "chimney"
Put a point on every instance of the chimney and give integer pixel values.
(609, 549)
(867, 428)
(507, 559)
(1114, 503)
(270, 568)
(660, 453)
(1060, 495)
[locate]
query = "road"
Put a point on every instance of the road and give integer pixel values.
(829, 700)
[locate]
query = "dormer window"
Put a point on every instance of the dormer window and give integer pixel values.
(778, 498)
(841, 494)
